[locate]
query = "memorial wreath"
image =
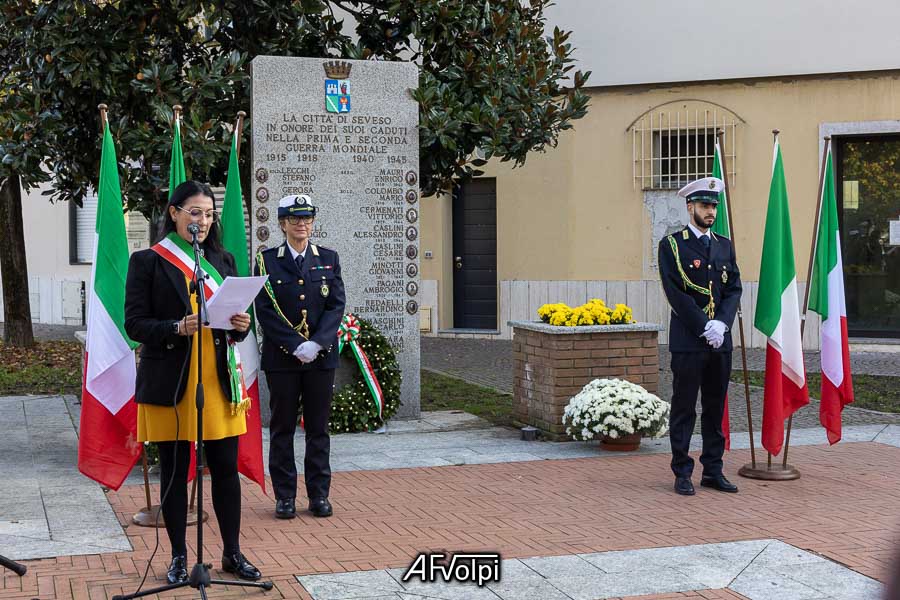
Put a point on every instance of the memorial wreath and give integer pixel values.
(374, 395)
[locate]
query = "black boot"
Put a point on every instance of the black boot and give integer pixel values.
(177, 572)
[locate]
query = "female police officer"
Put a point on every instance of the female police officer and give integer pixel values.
(299, 310)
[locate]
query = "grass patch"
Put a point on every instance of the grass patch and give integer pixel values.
(440, 392)
(872, 392)
(47, 368)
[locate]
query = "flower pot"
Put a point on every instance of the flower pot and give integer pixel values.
(623, 443)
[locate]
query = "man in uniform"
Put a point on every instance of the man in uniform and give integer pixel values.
(299, 309)
(702, 284)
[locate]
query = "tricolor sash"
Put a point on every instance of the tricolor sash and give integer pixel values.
(180, 254)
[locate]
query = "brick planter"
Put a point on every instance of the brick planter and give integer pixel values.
(551, 364)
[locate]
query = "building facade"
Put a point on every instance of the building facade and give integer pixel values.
(583, 220)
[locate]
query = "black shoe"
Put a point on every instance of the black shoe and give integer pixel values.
(320, 507)
(177, 572)
(719, 483)
(285, 509)
(238, 564)
(684, 486)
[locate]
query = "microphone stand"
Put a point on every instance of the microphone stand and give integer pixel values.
(199, 578)
(12, 566)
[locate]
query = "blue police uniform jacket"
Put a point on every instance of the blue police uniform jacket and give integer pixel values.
(686, 268)
(317, 288)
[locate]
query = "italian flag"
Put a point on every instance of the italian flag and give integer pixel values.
(720, 227)
(234, 238)
(826, 297)
(778, 316)
(107, 443)
(176, 163)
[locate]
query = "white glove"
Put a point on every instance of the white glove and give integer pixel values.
(718, 326)
(714, 333)
(307, 351)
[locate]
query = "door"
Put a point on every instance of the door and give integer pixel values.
(869, 213)
(475, 255)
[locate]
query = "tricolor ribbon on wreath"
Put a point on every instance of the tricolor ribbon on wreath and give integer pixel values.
(348, 333)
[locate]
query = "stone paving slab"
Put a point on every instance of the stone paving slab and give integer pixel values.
(47, 508)
(757, 569)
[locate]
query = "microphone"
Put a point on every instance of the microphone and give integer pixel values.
(193, 229)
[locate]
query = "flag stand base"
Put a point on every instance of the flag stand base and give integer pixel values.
(777, 472)
(146, 517)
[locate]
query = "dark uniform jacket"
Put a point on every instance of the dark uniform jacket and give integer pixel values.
(700, 268)
(318, 288)
(156, 296)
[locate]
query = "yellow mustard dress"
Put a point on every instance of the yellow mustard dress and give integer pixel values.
(157, 423)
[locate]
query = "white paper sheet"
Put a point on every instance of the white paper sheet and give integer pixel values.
(234, 296)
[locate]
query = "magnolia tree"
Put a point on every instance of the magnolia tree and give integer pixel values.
(490, 80)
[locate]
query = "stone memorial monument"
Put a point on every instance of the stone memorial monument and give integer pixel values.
(345, 132)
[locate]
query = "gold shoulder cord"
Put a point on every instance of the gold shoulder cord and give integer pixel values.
(302, 328)
(709, 309)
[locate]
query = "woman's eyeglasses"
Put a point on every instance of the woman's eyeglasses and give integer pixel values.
(199, 213)
(294, 220)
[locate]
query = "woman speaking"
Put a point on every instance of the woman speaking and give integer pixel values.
(161, 314)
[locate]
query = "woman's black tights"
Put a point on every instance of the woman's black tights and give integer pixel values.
(221, 458)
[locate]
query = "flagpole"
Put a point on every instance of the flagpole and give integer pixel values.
(769, 472)
(809, 269)
(238, 131)
(775, 133)
(720, 135)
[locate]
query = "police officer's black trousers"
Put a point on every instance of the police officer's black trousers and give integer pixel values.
(708, 373)
(290, 391)
(221, 458)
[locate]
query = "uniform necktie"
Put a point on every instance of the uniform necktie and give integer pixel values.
(299, 261)
(704, 239)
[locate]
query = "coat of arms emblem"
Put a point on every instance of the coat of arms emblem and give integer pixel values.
(337, 86)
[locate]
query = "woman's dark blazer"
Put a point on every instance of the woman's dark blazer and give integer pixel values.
(155, 297)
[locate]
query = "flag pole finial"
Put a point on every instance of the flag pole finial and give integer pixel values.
(103, 119)
(177, 110)
(775, 133)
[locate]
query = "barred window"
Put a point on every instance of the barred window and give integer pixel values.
(674, 143)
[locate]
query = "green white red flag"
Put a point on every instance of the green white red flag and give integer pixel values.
(234, 239)
(107, 444)
(720, 227)
(721, 224)
(826, 297)
(778, 316)
(176, 163)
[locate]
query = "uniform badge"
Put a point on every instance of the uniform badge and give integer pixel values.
(724, 275)
(696, 263)
(324, 290)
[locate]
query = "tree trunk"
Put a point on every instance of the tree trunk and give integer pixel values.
(13, 268)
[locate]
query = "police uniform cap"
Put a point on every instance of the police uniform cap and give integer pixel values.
(296, 205)
(703, 190)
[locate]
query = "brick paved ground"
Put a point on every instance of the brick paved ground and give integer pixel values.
(844, 507)
(489, 363)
